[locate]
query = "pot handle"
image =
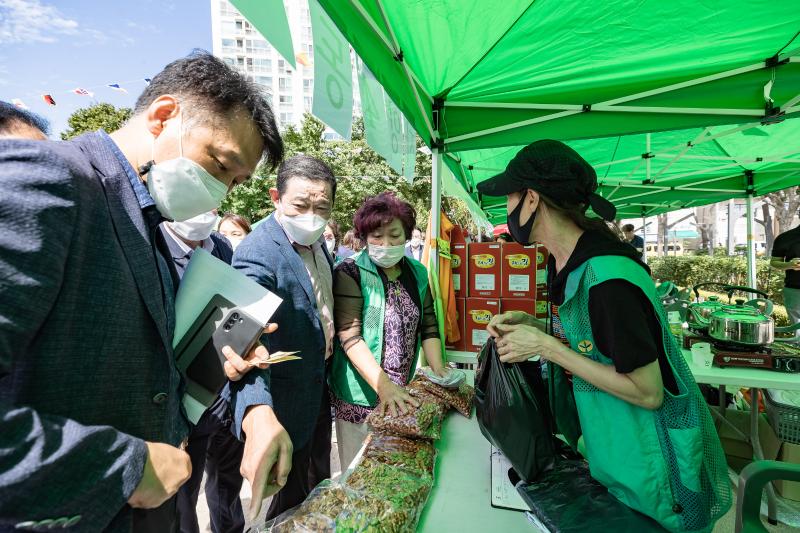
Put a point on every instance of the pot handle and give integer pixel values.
(697, 287)
(730, 289)
(768, 305)
(788, 329)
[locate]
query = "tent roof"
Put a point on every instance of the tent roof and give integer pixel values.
(684, 168)
(480, 83)
(524, 70)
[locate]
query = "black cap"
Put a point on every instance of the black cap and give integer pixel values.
(555, 170)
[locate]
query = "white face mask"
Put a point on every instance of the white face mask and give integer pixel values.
(196, 228)
(416, 243)
(331, 244)
(235, 241)
(181, 188)
(386, 256)
(304, 229)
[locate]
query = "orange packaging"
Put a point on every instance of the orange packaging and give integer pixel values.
(479, 311)
(484, 269)
(518, 271)
(458, 264)
(461, 311)
(527, 305)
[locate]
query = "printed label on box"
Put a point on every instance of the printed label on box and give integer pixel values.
(484, 282)
(483, 260)
(479, 337)
(519, 282)
(456, 282)
(541, 277)
(518, 261)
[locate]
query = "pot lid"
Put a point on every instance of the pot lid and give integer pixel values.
(741, 313)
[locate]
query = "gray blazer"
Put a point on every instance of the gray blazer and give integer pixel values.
(87, 371)
(296, 387)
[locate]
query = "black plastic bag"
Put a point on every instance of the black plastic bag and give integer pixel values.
(512, 412)
(568, 500)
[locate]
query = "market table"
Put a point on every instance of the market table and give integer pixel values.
(756, 380)
(461, 496)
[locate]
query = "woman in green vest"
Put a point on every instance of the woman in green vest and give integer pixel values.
(616, 374)
(383, 312)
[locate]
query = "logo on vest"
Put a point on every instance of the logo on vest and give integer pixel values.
(455, 260)
(518, 261)
(585, 346)
(483, 260)
(480, 316)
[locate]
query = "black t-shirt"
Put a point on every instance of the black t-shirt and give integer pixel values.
(626, 328)
(786, 248)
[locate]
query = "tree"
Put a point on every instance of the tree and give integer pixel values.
(360, 173)
(95, 117)
(785, 203)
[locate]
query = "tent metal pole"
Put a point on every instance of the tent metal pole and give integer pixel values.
(644, 236)
(731, 227)
(682, 153)
(647, 151)
(751, 250)
(679, 110)
(378, 33)
(436, 206)
(513, 126)
(407, 70)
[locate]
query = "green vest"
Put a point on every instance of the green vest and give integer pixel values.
(666, 463)
(344, 380)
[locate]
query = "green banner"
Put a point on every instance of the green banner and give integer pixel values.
(333, 78)
(269, 18)
(376, 121)
(409, 151)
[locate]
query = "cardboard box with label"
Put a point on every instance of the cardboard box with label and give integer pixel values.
(541, 301)
(527, 305)
(542, 255)
(518, 271)
(461, 311)
(789, 489)
(479, 311)
(739, 452)
(458, 265)
(484, 269)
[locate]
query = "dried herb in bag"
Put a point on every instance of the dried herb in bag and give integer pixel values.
(423, 422)
(459, 399)
(412, 454)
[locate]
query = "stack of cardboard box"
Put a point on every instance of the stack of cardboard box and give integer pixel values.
(492, 278)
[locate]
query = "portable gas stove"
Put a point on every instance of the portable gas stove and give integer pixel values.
(777, 357)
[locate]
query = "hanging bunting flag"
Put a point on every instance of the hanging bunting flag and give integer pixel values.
(48, 99)
(19, 103)
(333, 78)
(303, 59)
(381, 119)
(275, 30)
(147, 81)
(82, 92)
(116, 87)
(409, 151)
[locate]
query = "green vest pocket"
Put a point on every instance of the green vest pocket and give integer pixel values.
(688, 447)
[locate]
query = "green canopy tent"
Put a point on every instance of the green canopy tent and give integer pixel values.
(472, 76)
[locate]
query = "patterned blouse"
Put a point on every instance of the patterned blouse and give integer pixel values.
(405, 318)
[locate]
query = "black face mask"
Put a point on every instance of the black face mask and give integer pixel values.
(521, 234)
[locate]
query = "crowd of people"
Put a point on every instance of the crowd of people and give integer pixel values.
(96, 233)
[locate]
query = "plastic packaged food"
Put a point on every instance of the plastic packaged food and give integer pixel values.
(423, 422)
(451, 380)
(459, 399)
(412, 454)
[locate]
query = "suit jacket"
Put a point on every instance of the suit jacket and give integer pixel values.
(222, 250)
(87, 372)
(296, 387)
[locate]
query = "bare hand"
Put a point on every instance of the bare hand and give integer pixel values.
(395, 399)
(509, 318)
(267, 458)
(237, 367)
(519, 342)
(167, 468)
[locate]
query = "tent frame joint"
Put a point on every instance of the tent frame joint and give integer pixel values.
(772, 114)
(398, 56)
(585, 108)
(775, 61)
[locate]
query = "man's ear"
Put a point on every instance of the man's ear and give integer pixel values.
(275, 196)
(162, 109)
(533, 198)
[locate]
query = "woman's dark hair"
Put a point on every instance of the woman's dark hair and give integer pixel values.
(337, 234)
(214, 89)
(239, 220)
(380, 210)
(577, 214)
(306, 167)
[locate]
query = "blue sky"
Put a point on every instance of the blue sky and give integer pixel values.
(54, 46)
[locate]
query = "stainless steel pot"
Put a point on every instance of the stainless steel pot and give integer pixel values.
(700, 313)
(741, 324)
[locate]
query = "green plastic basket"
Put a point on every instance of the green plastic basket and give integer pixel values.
(785, 419)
